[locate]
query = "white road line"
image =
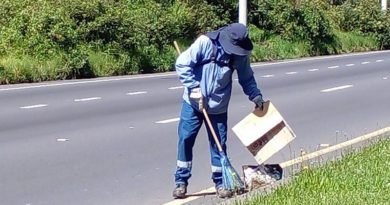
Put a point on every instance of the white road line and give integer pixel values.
(332, 67)
(109, 79)
(291, 73)
(267, 76)
(168, 121)
(137, 93)
(175, 88)
(312, 70)
(324, 145)
(336, 88)
(384, 78)
(62, 140)
(379, 61)
(349, 65)
(33, 106)
(317, 58)
(87, 99)
(366, 62)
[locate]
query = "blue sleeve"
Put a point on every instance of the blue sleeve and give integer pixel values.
(245, 76)
(187, 60)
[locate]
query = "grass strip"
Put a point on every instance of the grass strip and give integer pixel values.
(359, 178)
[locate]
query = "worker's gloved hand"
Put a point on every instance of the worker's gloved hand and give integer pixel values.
(196, 95)
(258, 100)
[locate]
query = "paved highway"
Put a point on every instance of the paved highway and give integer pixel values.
(113, 140)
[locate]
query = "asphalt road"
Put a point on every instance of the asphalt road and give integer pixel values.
(113, 140)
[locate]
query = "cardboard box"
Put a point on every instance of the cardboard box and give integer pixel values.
(264, 132)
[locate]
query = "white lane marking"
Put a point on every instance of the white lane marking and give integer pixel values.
(312, 70)
(110, 79)
(267, 76)
(236, 79)
(137, 93)
(336, 88)
(168, 121)
(175, 88)
(34, 106)
(332, 67)
(366, 62)
(87, 99)
(131, 127)
(349, 65)
(378, 61)
(317, 58)
(62, 140)
(384, 78)
(291, 73)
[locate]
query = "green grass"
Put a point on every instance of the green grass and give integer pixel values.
(25, 69)
(271, 47)
(276, 48)
(103, 64)
(359, 178)
(354, 42)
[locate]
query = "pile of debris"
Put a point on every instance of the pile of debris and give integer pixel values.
(256, 176)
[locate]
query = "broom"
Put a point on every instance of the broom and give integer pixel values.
(230, 178)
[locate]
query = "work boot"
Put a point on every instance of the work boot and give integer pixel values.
(180, 191)
(224, 193)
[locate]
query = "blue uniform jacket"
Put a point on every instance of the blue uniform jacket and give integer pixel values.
(215, 80)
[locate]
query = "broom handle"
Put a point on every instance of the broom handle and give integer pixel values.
(177, 47)
(206, 116)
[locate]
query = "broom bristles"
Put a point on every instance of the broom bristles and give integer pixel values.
(230, 177)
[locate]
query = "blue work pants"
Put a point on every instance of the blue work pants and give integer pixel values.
(190, 123)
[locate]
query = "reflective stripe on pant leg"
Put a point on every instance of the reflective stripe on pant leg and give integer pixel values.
(216, 169)
(183, 172)
(189, 125)
(183, 164)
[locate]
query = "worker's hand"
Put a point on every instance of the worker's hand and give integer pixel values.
(196, 95)
(258, 100)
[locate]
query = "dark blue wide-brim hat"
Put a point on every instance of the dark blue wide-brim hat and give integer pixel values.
(233, 38)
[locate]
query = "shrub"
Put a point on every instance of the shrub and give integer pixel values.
(317, 26)
(304, 21)
(140, 32)
(80, 39)
(279, 17)
(365, 17)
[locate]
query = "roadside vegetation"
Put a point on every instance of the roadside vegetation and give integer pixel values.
(67, 39)
(359, 178)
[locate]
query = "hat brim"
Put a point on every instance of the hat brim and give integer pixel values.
(213, 35)
(243, 49)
